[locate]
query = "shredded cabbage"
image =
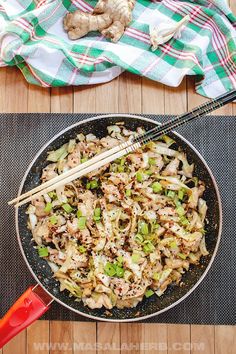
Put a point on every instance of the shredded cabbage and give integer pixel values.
(128, 229)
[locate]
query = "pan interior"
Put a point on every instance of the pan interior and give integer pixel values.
(147, 307)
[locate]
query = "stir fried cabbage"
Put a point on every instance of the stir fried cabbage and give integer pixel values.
(125, 231)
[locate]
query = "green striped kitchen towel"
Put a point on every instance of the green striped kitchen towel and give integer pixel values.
(32, 37)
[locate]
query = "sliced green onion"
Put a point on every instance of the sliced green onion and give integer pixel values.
(169, 141)
(128, 192)
(48, 208)
(143, 228)
(120, 169)
(184, 221)
(68, 209)
(177, 202)
(110, 269)
(53, 219)
(139, 176)
(156, 187)
(173, 245)
(171, 194)
(120, 259)
(120, 271)
(82, 222)
(149, 293)
(84, 159)
(151, 161)
(148, 172)
(155, 225)
(52, 195)
(156, 276)
(97, 212)
(180, 210)
(151, 145)
(150, 237)
(88, 185)
(135, 257)
(122, 161)
(181, 194)
(82, 249)
(138, 238)
(42, 251)
(148, 247)
(94, 184)
(182, 255)
(79, 213)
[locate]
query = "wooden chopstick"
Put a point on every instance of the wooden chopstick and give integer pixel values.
(81, 173)
(64, 175)
(122, 149)
(82, 166)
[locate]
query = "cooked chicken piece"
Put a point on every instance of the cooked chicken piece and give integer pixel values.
(49, 172)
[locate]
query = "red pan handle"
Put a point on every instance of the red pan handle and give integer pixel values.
(27, 309)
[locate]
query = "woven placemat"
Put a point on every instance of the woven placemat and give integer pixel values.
(213, 302)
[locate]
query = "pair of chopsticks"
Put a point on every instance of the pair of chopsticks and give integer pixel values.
(122, 149)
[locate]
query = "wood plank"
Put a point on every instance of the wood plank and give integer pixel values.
(130, 93)
(153, 338)
(108, 338)
(16, 91)
(3, 73)
(176, 99)
(107, 96)
(61, 337)
(17, 344)
(194, 99)
(130, 336)
(178, 339)
(62, 99)
(226, 110)
(38, 338)
(38, 99)
(202, 339)
(225, 339)
(152, 97)
(232, 4)
(85, 99)
(84, 334)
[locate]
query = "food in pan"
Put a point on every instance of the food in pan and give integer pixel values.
(123, 232)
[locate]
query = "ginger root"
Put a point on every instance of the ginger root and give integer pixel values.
(110, 17)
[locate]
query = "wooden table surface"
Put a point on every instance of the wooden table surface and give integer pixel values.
(126, 94)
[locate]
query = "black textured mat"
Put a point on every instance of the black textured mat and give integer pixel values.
(213, 302)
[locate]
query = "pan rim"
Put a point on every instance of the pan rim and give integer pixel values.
(138, 318)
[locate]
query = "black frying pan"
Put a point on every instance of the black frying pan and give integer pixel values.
(148, 307)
